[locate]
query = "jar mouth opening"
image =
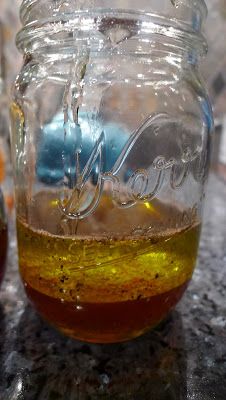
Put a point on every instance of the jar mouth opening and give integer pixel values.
(127, 30)
(32, 9)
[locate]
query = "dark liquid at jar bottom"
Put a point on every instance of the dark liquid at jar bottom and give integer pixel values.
(106, 289)
(106, 322)
(3, 249)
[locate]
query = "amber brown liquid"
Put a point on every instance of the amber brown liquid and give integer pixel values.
(3, 248)
(106, 322)
(105, 288)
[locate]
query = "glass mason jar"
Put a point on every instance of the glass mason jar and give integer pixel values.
(111, 128)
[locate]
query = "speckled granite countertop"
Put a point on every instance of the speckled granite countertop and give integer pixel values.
(185, 358)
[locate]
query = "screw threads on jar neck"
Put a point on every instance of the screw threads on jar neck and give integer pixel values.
(52, 26)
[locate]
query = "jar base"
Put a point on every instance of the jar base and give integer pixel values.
(105, 322)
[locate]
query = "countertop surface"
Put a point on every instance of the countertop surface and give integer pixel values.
(184, 358)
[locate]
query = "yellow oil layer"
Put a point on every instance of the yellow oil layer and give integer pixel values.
(83, 269)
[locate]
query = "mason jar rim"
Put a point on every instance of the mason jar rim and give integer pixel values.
(65, 31)
(28, 5)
